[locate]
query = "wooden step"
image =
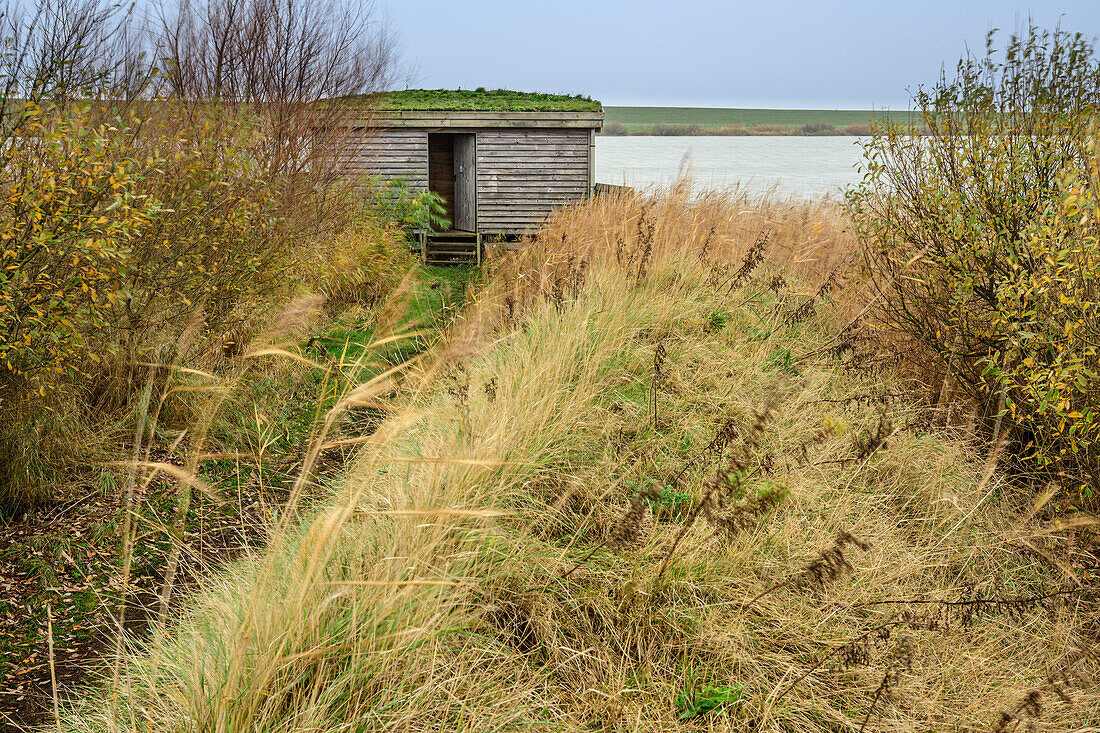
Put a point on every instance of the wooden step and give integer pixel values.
(465, 246)
(453, 237)
(450, 248)
(433, 259)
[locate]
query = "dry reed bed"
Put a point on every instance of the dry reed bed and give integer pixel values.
(540, 537)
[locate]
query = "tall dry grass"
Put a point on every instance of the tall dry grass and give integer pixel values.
(526, 541)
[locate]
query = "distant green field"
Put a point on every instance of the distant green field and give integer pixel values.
(638, 117)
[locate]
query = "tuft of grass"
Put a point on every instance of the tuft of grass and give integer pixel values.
(695, 702)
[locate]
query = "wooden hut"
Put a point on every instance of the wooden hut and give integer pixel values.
(502, 161)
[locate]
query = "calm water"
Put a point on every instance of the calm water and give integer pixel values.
(799, 166)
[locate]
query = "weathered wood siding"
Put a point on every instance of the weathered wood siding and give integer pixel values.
(391, 153)
(524, 174)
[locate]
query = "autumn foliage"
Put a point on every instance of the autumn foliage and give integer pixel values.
(1049, 321)
(72, 209)
(149, 221)
(981, 238)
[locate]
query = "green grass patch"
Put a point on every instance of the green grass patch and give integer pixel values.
(695, 702)
(671, 503)
(493, 100)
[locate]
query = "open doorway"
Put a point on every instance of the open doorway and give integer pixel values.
(451, 174)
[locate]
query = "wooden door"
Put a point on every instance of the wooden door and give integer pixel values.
(465, 182)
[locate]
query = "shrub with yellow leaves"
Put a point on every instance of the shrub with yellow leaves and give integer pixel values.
(978, 229)
(157, 211)
(222, 235)
(1048, 320)
(72, 206)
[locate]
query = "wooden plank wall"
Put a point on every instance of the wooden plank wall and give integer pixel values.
(524, 174)
(392, 153)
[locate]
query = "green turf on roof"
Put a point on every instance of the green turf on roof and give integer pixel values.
(495, 100)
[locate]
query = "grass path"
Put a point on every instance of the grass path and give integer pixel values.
(63, 568)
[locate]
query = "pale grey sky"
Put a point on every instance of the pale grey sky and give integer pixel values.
(787, 53)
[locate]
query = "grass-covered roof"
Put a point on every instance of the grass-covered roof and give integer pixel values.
(493, 100)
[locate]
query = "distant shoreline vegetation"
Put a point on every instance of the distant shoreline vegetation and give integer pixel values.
(619, 121)
(819, 129)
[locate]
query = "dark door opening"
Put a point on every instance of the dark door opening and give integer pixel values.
(451, 174)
